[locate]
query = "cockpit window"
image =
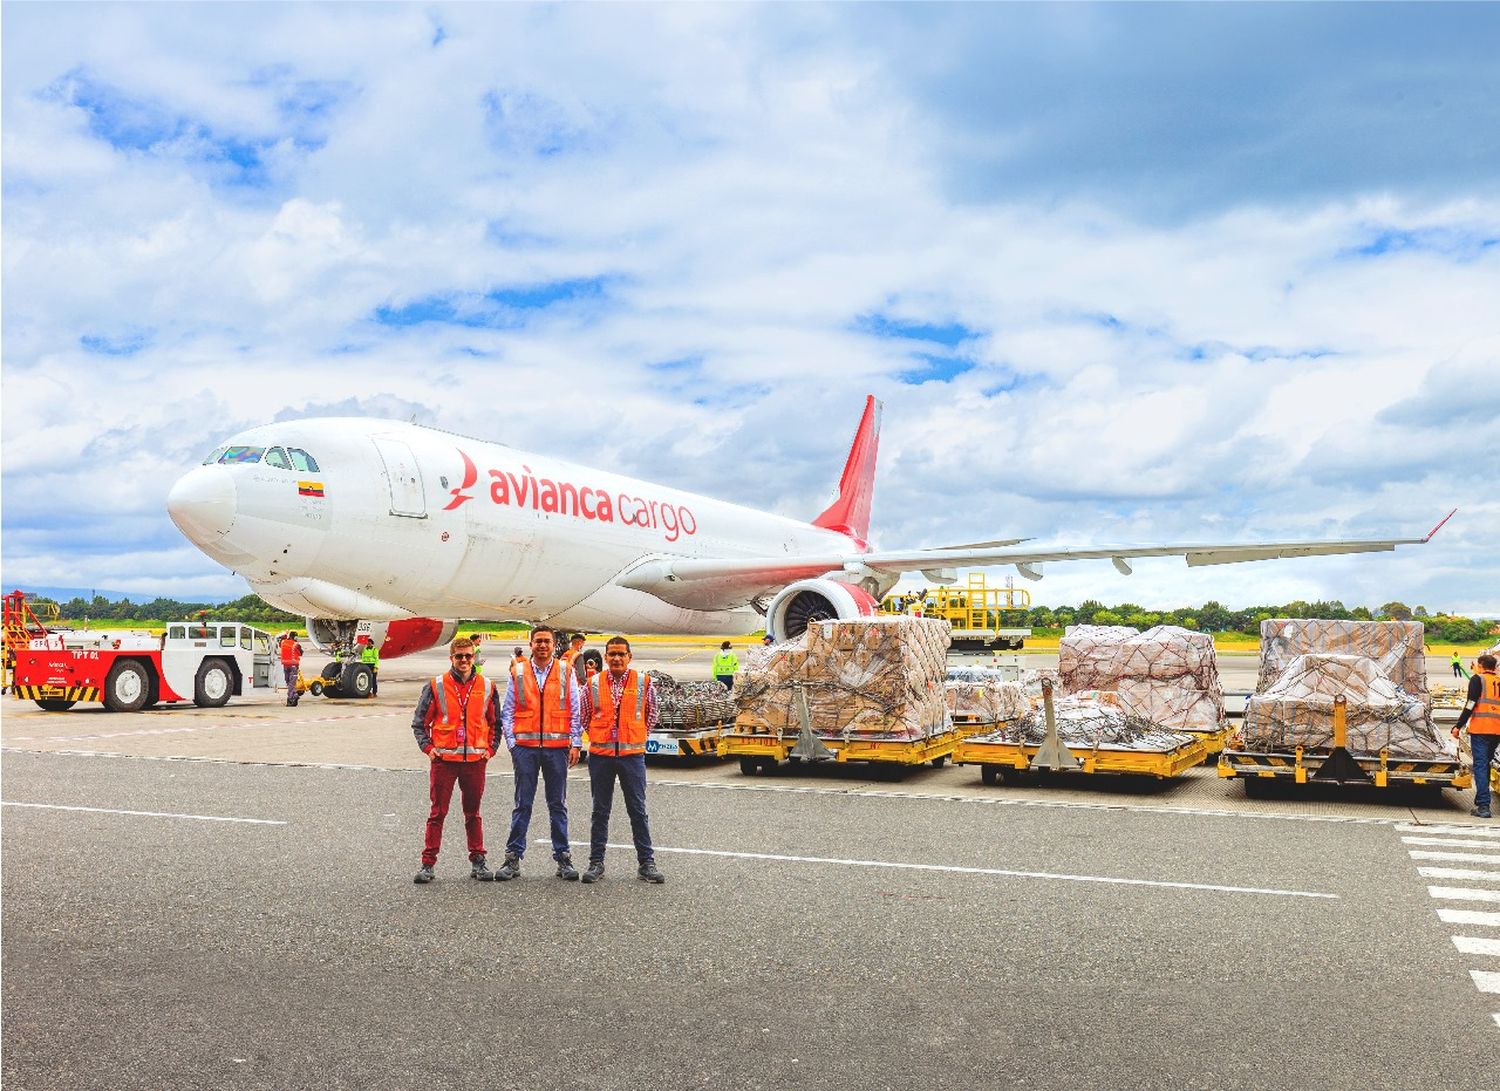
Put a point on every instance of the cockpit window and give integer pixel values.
(211, 459)
(303, 461)
(277, 457)
(234, 455)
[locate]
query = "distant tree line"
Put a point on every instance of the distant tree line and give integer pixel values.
(1210, 617)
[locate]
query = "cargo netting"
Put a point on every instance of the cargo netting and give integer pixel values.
(1395, 646)
(1297, 710)
(690, 704)
(869, 678)
(984, 695)
(1168, 675)
(1093, 718)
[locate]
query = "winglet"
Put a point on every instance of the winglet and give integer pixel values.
(1439, 527)
(850, 513)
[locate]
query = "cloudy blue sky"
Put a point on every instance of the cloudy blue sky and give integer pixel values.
(1121, 274)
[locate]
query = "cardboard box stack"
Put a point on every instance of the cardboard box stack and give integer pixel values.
(981, 695)
(871, 678)
(1395, 646)
(1297, 710)
(1169, 675)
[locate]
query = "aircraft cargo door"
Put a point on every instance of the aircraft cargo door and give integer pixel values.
(404, 476)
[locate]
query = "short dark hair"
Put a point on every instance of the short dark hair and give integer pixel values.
(1487, 661)
(614, 640)
(544, 629)
(724, 646)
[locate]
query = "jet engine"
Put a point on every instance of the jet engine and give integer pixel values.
(807, 601)
(393, 638)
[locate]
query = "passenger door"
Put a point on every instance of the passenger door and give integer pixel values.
(404, 476)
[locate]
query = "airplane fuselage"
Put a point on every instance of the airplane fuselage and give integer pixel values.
(398, 520)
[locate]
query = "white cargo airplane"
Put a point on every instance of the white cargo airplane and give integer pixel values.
(376, 524)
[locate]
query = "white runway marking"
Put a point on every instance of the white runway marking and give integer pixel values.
(1462, 894)
(1466, 857)
(1458, 873)
(1455, 842)
(1469, 916)
(1486, 981)
(1464, 831)
(1473, 945)
(146, 814)
(954, 869)
(190, 729)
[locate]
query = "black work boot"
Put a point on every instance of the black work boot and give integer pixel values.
(595, 871)
(650, 872)
(1480, 812)
(509, 869)
(565, 868)
(423, 875)
(479, 869)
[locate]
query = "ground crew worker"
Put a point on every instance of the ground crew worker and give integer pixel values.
(1482, 715)
(620, 708)
(573, 657)
(539, 720)
(369, 654)
(475, 638)
(725, 665)
(1458, 669)
(457, 726)
(290, 653)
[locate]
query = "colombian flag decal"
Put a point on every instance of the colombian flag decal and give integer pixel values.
(310, 488)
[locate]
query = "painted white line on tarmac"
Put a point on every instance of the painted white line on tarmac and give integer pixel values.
(1469, 916)
(191, 729)
(146, 814)
(1458, 873)
(1459, 830)
(955, 869)
(1467, 857)
(1464, 894)
(1486, 981)
(1473, 945)
(1454, 842)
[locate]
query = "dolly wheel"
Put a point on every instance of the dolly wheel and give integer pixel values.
(989, 774)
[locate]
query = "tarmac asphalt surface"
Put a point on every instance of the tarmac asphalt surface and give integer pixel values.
(223, 898)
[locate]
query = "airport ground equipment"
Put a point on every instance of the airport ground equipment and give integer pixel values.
(1338, 765)
(24, 622)
(981, 617)
(999, 758)
(341, 678)
(686, 740)
(202, 662)
(761, 750)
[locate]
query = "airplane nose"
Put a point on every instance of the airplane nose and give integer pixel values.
(202, 503)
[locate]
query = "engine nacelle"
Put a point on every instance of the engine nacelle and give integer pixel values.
(805, 601)
(393, 638)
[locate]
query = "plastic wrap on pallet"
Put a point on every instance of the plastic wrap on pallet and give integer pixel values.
(1297, 710)
(977, 695)
(1089, 719)
(868, 678)
(1396, 647)
(1169, 674)
(690, 704)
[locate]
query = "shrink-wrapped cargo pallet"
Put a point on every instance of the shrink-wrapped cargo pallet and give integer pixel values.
(690, 704)
(1395, 646)
(1089, 719)
(979, 695)
(1297, 710)
(1169, 675)
(870, 678)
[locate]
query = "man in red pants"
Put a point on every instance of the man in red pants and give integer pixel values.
(457, 725)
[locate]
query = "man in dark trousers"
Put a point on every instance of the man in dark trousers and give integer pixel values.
(539, 720)
(457, 726)
(290, 654)
(619, 706)
(1481, 715)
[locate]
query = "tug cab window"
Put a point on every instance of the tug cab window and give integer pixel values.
(303, 461)
(277, 457)
(235, 455)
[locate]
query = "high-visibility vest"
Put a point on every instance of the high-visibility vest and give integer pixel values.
(726, 663)
(1485, 719)
(291, 652)
(618, 730)
(369, 653)
(458, 727)
(541, 718)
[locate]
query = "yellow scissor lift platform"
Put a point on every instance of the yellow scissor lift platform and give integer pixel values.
(998, 759)
(1339, 766)
(762, 751)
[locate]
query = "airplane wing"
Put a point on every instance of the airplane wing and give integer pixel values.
(751, 576)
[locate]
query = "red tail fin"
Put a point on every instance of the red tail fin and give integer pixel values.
(850, 513)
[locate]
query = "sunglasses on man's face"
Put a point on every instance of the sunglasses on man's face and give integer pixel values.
(463, 655)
